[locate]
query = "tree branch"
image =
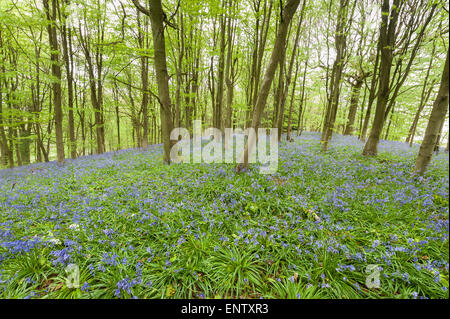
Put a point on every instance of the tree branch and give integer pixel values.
(147, 13)
(141, 8)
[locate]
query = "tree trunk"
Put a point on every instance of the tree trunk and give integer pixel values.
(423, 99)
(230, 68)
(413, 52)
(289, 74)
(258, 54)
(143, 45)
(5, 149)
(68, 59)
(178, 66)
(437, 116)
(361, 115)
(386, 44)
(162, 77)
(279, 89)
(56, 72)
(95, 82)
(4, 141)
(338, 66)
(288, 13)
(220, 83)
(302, 98)
(438, 139)
(372, 95)
(116, 104)
(288, 134)
(356, 89)
(386, 136)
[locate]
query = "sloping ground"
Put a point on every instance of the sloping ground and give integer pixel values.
(137, 228)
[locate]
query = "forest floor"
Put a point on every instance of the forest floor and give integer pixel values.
(138, 228)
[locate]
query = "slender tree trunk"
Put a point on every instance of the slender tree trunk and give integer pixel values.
(5, 149)
(56, 72)
(3, 158)
(179, 66)
(279, 89)
(386, 41)
(423, 99)
(68, 59)
(356, 89)
(143, 44)
(437, 116)
(16, 144)
(95, 79)
(361, 115)
(289, 74)
(162, 77)
(372, 95)
(438, 139)
(413, 53)
(230, 68)
(116, 102)
(258, 54)
(4, 141)
(24, 142)
(11, 145)
(288, 13)
(300, 107)
(289, 127)
(386, 136)
(221, 74)
(302, 115)
(338, 66)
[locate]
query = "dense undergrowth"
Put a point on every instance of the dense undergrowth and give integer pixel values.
(137, 228)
